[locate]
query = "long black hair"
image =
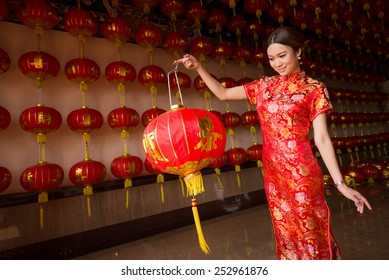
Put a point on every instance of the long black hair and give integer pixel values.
(288, 36)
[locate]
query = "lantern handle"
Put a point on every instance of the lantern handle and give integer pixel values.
(178, 86)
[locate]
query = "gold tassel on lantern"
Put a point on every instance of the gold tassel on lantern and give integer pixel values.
(203, 244)
(161, 180)
(237, 170)
(42, 198)
(194, 183)
(217, 171)
(88, 192)
(127, 185)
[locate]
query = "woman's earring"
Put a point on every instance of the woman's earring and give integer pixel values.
(299, 57)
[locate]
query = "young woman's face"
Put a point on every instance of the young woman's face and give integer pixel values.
(283, 59)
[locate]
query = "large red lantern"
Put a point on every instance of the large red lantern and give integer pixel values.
(126, 167)
(87, 173)
(41, 178)
(37, 14)
(5, 61)
(5, 178)
(5, 118)
(182, 142)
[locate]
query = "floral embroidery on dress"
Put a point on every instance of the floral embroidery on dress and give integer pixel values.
(293, 179)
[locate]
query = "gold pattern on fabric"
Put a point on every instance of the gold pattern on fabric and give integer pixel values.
(293, 179)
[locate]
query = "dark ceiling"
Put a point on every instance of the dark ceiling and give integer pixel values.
(361, 33)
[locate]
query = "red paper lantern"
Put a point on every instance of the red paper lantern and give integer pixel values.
(249, 119)
(42, 177)
(242, 54)
(231, 119)
(5, 118)
(217, 18)
(146, 5)
(200, 46)
(259, 56)
(175, 43)
(123, 118)
(151, 76)
(39, 65)
(85, 120)
(173, 8)
(355, 173)
(116, 29)
(254, 28)
(184, 81)
(254, 152)
(82, 70)
(3, 9)
(37, 13)
(5, 61)
(196, 12)
(79, 22)
(280, 10)
(148, 35)
(120, 72)
(244, 81)
(221, 52)
(5, 178)
(256, 7)
(183, 141)
(301, 18)
(227, 82)
(87, 173)
(40, 119)
(236, 156)
(151, 114)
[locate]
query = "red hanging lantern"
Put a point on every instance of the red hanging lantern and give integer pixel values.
(151, 76)
(184, 81)
(200, 46)
(182, 142)
(39, 65)
(256, 7)
(259, 57)
(5, 118)
(85, 120)
(146, 5)
(242, 54)
(151, 114)
(196, 12)
(120, 72)
(40, 119)
(237, 23)
(148, 35)
(254, 153)
(41, 178)
(249, 119)
(217, 164)
(82, 70)
(254, 28)
(116, 29)
(217, 18)
(231, 119)
(227, 82)
(37, 14)
(301, 18)
(126, 167)
(280, 10)
(334, 10)
(3, 9)
(79, 22)
(123, 118)
(5, 61)
(87, 173)
(5, 178)
(175, 43)
(221, 52)
(173, 8)
(236, 157)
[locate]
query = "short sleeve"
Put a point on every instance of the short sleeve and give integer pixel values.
(320, 102)
(252, 90)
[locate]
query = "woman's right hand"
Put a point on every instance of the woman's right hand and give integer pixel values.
(189, 61)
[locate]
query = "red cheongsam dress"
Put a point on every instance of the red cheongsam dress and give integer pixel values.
(293, 179)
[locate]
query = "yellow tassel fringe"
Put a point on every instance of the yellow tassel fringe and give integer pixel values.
(194, 183)
(203, 244)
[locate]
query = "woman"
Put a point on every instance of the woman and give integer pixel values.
(287, 105)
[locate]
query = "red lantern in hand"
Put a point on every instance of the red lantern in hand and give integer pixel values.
(182, 142)
(5, 178)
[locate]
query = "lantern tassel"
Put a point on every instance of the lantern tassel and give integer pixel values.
(161, 180)
(237, 170)
(42, 198)
(194, 183)
(127, 185)
(88, 191)
(217, 171)
(203, 244)
(183, 187)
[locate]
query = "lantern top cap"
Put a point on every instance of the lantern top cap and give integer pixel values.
(176, 107)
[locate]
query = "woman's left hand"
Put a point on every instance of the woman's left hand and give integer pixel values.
(359, 200)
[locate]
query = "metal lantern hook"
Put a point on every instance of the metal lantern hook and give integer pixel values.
(178, 86)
